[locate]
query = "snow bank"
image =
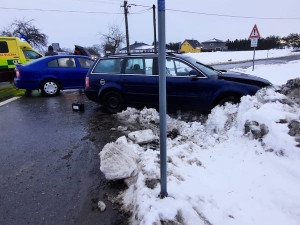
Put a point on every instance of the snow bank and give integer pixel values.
(241, 166)
(238, 56)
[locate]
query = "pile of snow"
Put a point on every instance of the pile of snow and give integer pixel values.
(240, 166)
(238, 56)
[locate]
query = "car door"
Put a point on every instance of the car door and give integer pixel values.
(69, 73)
(140, 81)
(83, 65)
(186, 87)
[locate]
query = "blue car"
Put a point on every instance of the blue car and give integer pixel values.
(53, 73)
(132, 80)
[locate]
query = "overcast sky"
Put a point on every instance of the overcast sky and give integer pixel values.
(93, 17)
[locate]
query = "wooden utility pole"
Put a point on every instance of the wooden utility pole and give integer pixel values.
(126, 25)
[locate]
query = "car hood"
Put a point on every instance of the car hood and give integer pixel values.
(244, 78)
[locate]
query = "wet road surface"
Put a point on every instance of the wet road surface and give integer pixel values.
(50, 165)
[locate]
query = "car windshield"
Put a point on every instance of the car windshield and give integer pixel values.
(207, 70)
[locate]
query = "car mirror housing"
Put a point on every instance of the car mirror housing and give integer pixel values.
(193, 73)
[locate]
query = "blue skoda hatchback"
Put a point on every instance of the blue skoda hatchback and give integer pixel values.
(53, 73)
(119, 81)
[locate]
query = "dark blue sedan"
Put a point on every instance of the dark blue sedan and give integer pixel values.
(132, 80)
(53, 73)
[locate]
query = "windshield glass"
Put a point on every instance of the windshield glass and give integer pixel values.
(207, 70)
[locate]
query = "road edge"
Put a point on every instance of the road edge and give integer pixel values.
(9, 100)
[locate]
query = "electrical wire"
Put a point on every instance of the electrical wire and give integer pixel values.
(142, 11)
(61, 11)
(172, 10)
(234, 16)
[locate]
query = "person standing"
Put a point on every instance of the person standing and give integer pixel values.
(50, 51)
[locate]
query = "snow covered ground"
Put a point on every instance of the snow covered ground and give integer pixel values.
(239, 56)
(239, 166)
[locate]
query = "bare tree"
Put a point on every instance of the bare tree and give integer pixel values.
(25, 28)
(111, 41)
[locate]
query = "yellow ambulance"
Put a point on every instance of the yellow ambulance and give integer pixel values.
(14, 50)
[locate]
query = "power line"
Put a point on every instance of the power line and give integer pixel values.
(61, 11)
(234, 16)
(172, 10)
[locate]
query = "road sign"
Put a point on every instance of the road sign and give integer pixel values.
(254, 32)
(254, 42)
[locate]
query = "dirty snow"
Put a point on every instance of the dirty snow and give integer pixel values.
(240, 166)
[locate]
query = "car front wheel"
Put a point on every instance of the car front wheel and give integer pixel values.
(113, 102)
(50, 88)
(229, 99)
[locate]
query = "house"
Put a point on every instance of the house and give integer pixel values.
(138, 47)
(214, 45)
(190, 46)
(55, 46)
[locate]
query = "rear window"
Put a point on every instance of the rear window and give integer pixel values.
(3, 47)
(66, 62)
(109, 66)
(53, 63)
(62, 62)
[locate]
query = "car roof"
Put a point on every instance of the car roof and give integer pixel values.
(124, 55)
(64, 56)
(46, 59)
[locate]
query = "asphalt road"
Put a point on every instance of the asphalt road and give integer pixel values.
(50, 165)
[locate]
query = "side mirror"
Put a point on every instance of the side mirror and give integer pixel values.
(193, 73)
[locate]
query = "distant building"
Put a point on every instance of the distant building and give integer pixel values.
(55, 46)
(138, 47)
(214, 45)
(190, 46)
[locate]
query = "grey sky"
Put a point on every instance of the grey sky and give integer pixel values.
(85, 28)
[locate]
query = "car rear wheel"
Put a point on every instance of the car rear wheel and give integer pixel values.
(50, 88)
(113, 102)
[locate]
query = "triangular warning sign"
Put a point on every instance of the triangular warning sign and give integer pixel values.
(254, 33)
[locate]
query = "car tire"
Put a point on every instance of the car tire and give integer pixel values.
(113, 102)
(50, 88)
(229, 99)
(28, 93)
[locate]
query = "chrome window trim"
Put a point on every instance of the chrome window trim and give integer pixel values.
(118, 57)
(135, 56)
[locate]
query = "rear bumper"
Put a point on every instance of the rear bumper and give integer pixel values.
(91, 95)
(26, 84)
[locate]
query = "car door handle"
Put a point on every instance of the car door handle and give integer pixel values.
(56, 72)
(124, 80)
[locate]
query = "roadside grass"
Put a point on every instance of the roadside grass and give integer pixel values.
(9, 91)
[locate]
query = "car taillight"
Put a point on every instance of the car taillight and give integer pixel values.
(87, 81)
(18, 73)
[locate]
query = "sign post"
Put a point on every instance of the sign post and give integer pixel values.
(254, 40)
(162, 97)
